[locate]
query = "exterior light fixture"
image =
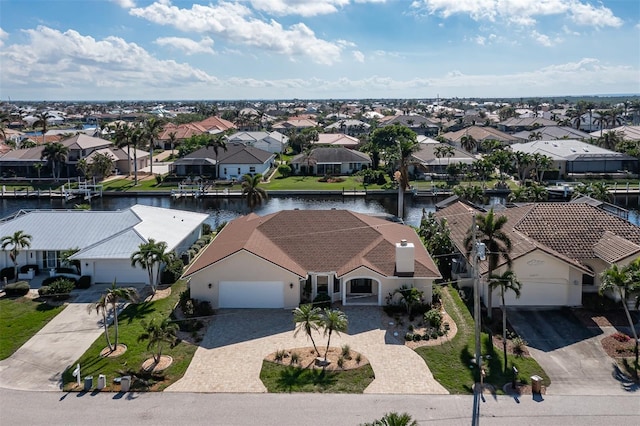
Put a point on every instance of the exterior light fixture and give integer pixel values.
(210, 285)
(290, 285)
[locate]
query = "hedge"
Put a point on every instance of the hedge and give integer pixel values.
(20, 288)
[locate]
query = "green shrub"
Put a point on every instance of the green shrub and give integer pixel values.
(20, 288)
(9, 273)
(84, 282)
(295, 357)
(417, 337)
(280, 354)
(284, 170)
(206, 229)
(50, 280)
(408, 337)
(172, 272)
(341, 362)
(25, 268)
(44, 291)
(61, 288)
(346, 351)
(322, 301)
(203, 309)
(433, 317)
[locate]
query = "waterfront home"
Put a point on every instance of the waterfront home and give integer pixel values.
(558, 251)
(231, 164)
(285, 258)
(274, 142)
(105, 239)
(330, 161)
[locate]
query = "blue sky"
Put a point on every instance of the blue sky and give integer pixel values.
(320, 49)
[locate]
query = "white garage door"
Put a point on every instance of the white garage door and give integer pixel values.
(539, 294)
(107, 270)
(252, 294)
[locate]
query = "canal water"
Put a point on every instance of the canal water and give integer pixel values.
(226, 209)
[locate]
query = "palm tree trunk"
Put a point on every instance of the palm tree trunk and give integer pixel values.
(504, 329)
(115, 322)
(106, 330)
(135, 166)
(327, 350)
(633, 329)
(151, 157)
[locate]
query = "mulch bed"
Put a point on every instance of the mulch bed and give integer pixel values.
(307, 359)
(617, 349)
(497, 342)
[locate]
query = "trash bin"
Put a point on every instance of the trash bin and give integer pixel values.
(88, 383)
(102, 381)
(125, 383)
(536, 384)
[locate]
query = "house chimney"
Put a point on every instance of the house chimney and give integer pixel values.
(405, 258)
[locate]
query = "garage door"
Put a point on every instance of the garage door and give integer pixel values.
(540, 294)
(108, 270)
(252, 294)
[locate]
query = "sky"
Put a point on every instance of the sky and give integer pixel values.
(316, 49)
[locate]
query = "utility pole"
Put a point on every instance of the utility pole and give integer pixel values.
(476, 297)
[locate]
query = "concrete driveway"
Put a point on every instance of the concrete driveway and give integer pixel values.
(569, 352)
(230, 357)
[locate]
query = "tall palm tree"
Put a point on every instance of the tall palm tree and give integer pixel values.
(216, 142)
(444, 151)
(101, 307)
(159, 333)
(172, 141)
(41, 121)
(151, 256)
(625, 281)
(150, 130)
(114, 296)
(136, 140)
(505, 282)
(333, 321)
(468, 143)
(541, 163)
(122, 138)
(490, 231)
(17, 242)
(251, 189)
(307, 319)
(55, 153)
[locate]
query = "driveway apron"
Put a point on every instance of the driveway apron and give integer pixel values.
(230, 356)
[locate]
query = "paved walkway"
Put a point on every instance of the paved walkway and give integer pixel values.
(230, 357)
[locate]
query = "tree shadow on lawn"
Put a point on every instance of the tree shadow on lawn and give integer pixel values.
(134, 311)
(45, 307)
(298, 378)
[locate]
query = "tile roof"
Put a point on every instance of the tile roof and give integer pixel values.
(236, 153)
(216, 123)
(182, 131)
(303, 241)
(480, 134)
(567, 149)
(612, 248)
(333, 155)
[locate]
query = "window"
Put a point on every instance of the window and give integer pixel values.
(225, 170)
(322, 284)
(361, 285)
(336, 285)
(239, 172)
(252, 169)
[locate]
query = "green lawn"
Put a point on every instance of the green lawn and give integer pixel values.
(120, 185)
(92, 364)
(450, 362)
(282, 378)
(312, 183)
(20, 319)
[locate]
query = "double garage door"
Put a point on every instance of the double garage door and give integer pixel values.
(251, 294)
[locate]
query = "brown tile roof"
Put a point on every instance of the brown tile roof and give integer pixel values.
(182, 131)
(305, 241)
(569, 231)
(480, 134)
(612, 248)
(216, 123)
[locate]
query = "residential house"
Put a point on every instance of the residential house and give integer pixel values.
(571, 157)
(480, 134)
(285, 258)
(295, 124)
(232, 164)
(428, 159)
(336, 139)
(348, 126)
(274, 142)
(551, 133)
(123, 158)
(558, 250)
(215, 125)
(106, 239)
(181, 132)
(513, 124)
(330, 161)
(419, 124)
(628, 133)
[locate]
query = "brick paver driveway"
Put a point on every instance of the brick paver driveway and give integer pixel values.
(230, 356)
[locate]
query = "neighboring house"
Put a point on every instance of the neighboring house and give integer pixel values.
(181, 131)
(428, 159)
(571, 157)
(122, 163)
(337, 139)
(479, 134)
(285, 258)
(106, 239)
(552, 133)
(348, 126)
(294, 124)
(558, 251)
(215, 124)
(419, 124)
(628, 133)
(330, 161)
(231, 164)
(513, 124)
(274, 142)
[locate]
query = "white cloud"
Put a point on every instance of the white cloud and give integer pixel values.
(520, 12)
(542, 39)
(3, 36)
(236, 23)
(358, 56)
(65, 60)
(303, 7)
(186, 45)
(480, 40)
(126, 4)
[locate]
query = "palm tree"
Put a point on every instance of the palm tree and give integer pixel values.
(522, 161)
(541, 163)
(595, 190)
(65, 258)
(150, 130)
(216, 142)
(136, 137)
(468, 143)
(172, 141)
(333, 321)
(115, 295)
(151, 256)
(394, 419)
(444, 151)
(122, 138)
(55, 153)
(18, 241)
(308, 159)
(409, 297)
(506, 282)
(490, 231)
(41, 121)
(308, 319)
(101, 307)
(101, 165)
(158, 333)
(535, 136)
(251, 189)
(622, 280)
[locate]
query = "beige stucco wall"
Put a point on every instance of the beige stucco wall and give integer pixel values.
(546, 281)
(242, 266)
(389, 284)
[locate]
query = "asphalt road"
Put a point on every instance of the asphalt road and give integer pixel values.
(58, 408)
